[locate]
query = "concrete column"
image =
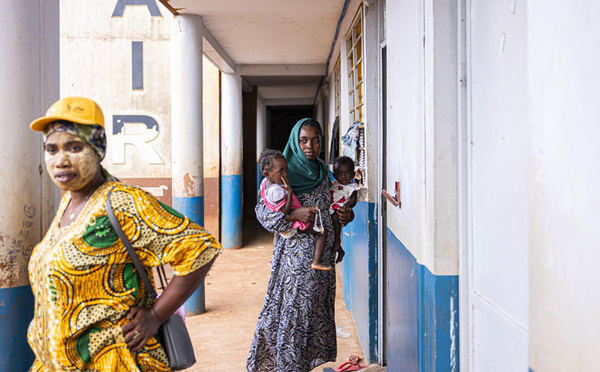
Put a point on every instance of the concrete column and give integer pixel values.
(231, 152)
(186, 128)
(211, 103)
(30, 33)
(261, 135)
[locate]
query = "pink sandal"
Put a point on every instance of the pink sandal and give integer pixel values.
(351, 364)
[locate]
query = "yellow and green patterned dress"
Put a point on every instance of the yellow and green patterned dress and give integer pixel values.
(84, 281)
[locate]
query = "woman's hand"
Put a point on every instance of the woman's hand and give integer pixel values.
(142, 325)
(303, 214)
(345, 215)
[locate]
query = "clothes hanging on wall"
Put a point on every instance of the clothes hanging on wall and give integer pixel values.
(350, 142)
(353, 146)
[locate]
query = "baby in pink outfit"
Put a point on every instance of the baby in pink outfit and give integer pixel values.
(279, 197)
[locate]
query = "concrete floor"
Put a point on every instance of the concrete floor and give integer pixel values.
(235, 289)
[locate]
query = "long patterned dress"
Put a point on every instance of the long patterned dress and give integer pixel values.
(295, 331)
(84, 281)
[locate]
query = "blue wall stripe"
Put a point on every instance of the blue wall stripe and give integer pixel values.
(193, 208)
(231, 211)
(422, 325)
(439, 302)
(137, 65)
(16, 313)
(402, 325)
(360, 277)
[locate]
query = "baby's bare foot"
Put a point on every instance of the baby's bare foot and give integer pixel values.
(317, 266)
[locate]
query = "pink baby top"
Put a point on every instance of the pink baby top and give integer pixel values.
(274, 197)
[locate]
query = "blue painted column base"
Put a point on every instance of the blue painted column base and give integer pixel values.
(16, 312)
(259, 177)
(231, 211)
(193, 208)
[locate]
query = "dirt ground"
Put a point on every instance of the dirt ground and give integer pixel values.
(235, 289)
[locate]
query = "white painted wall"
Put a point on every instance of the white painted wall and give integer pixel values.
(371, 62)
(564, 91)
(441, 137)
(406, 131)
(422, 122)
(96, 60)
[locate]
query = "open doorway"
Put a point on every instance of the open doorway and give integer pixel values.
(281, 120)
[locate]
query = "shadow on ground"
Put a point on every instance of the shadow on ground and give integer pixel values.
(235, 289)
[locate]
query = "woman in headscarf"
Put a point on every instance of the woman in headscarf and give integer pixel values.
(295, 331)
(92, 313)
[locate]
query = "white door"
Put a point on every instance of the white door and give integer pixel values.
(497, 254)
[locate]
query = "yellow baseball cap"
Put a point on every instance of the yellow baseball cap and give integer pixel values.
(78, 110)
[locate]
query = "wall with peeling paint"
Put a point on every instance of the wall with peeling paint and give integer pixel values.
(98, 60)
(30, 82)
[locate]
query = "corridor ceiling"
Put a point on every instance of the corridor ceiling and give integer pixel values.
(280, 46)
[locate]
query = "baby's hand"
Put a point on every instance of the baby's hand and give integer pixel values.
(286, 186)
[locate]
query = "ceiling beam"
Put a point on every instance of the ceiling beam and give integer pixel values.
(213, 50)
(282, 70)
(307, 101)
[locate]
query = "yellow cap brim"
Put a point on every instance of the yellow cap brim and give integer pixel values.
(40, 124)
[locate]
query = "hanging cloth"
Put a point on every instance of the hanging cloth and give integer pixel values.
(350, 141)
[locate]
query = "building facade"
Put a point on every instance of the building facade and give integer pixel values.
(476, 129)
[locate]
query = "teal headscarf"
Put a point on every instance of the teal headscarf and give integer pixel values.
(304, 175)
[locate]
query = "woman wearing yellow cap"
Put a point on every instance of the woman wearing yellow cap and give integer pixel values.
(92, 313)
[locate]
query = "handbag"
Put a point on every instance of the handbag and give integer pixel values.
(175, 336)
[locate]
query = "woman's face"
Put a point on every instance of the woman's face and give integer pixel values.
(71, 163)
(310, 142)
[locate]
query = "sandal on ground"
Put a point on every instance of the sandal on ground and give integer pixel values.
(351, 364)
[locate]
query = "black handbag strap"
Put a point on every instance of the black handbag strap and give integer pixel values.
(136, 261)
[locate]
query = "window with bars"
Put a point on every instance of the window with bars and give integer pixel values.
(355, 70)
(355, 74)
(337, 86)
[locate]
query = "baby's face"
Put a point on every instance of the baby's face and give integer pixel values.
(278, 171)
(344, 174)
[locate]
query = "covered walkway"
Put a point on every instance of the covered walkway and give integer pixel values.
(235, 289)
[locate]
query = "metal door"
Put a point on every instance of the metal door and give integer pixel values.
(497, 252)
